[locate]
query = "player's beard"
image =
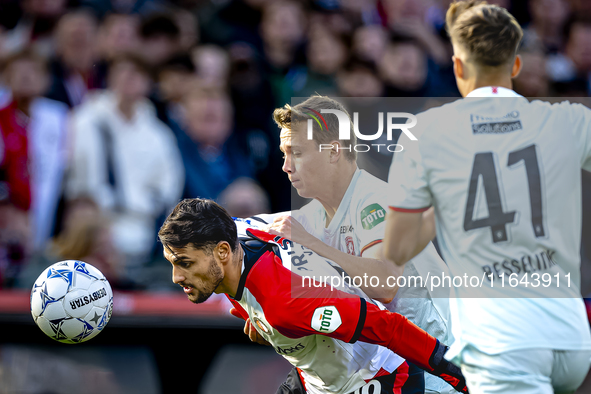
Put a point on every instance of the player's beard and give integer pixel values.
(216, 276)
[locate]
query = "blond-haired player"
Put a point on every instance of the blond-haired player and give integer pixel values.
(504, 177)
(345, 220)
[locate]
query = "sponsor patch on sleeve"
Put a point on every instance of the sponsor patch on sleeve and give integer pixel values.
(326, 319)
(372, 215)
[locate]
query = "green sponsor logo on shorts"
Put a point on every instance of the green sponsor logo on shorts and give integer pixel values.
(372, 215)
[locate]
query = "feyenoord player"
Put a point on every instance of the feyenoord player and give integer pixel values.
(504, 176)
(346, 220)
(340, 341)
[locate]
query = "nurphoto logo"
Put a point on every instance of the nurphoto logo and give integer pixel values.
(345, 129)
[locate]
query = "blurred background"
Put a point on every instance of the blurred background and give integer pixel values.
(113, 110)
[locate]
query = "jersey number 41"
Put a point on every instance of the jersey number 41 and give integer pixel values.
(497, 219)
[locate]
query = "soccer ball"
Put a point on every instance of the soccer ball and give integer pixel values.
(71, 301)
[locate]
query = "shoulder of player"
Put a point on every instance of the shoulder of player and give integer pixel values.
(564, 106)
(369, 190)
(311, 213)
(431, 117)
(311, 207)
(576, 116)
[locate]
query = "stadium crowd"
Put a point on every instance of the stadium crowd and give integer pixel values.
(113, 110)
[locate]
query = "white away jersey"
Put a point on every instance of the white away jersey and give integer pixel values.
(358, 224)
(504, 176)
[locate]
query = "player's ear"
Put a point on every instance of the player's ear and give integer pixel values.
(223, 252)
(336, 151)
(517, 65)
(458, 67)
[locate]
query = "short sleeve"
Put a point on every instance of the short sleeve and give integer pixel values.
(296, 307)
(581, 119)
(407, 180)
(371, 221)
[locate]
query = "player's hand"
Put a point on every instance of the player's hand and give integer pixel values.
(250, 330)
(447, 371)
(290, 228)
(253, 334)
(234, 312)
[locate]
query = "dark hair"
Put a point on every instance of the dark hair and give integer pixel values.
(26, 54)
(160, 25)
(139, 63)
(355, 63)
(198, 222)
(571, 22)
(180, 62)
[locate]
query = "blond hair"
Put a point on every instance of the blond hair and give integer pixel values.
(323, 133)
(489, 33)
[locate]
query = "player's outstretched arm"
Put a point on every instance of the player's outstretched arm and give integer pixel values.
(403, 337)
(407, 234)
(371, 265)
(297, 308)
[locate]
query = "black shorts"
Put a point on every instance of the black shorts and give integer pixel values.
(406, 379)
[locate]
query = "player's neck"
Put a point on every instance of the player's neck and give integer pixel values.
(331, 200)
(232, 274)
(482, 82)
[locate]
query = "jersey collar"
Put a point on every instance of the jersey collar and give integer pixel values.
(493, 91)
(335, 223)
(253, 249)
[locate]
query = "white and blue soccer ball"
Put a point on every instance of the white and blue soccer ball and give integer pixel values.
(71, 301)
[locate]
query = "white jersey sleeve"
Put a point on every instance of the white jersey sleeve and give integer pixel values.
(409, 185)
(370, 221)
(580, 119)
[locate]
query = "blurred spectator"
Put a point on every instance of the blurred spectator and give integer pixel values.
(581, 8)
(212, 158)
(359, 78)
(188, 29)
(404, 69)
(15, 177)
(175, 79)
(126, 159)
(213, 66)
(548, 18)
(4, 91)
(72, 69)
(244, 198)
(532, 81)
(254, 101)
(326, 54)
(117, 35)
(282, 29)
(578, 50)
(101, 8)
(236, 20)
(369, 43)
(251, 88)
(161, 38)
(34, 157)
(35, 27)
(283, 32)
(407, 19)
(331, 18)
(86, 236)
